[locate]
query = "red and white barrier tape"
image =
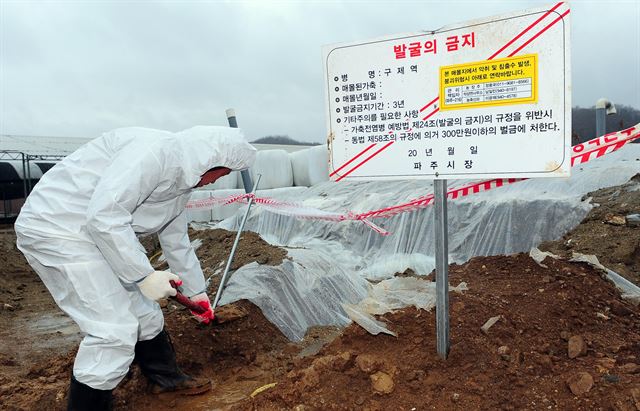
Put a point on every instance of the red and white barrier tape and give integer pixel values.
(582, 153)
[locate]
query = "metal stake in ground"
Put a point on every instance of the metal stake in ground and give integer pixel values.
(442, 268)
(223, 281)
(233, 123)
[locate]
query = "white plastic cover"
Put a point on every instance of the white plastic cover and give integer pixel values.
(310, 166)
(302, 292)
(507, 220)
(275, 167)
(300, 167)
(318, 164)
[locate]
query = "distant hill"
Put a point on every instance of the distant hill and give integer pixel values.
(283, 140)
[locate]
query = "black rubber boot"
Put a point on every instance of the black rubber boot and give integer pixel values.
(157, 360)
(84, 398)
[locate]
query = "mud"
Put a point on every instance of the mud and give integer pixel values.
(38, 341)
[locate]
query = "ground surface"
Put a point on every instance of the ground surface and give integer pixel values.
(563, 339)
(521, 362)
(605, 232)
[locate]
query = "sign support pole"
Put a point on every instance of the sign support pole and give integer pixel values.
(442, 268)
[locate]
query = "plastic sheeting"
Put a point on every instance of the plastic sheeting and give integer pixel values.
(305, 291)
(275, 167)
(394, 294)
(507, 220)
(336, 258)
(310, 166)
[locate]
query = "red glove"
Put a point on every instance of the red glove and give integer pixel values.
(203, 301)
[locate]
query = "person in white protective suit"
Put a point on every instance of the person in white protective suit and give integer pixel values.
(78, 230)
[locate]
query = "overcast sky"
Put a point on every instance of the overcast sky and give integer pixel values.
(79, 68)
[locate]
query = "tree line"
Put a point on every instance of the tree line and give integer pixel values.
(584, 121)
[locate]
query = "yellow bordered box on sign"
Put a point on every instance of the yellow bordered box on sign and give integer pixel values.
(512, 80)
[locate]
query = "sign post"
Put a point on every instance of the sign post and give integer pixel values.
(442, 269)
(489, 98)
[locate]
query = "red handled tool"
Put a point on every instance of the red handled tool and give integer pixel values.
(184, 300)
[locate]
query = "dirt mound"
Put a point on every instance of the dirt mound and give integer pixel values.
(216, 247)
(250, 248)
(605, 233)
(564, 340)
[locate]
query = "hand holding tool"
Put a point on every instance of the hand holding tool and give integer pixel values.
(185, 301)
(155, 286)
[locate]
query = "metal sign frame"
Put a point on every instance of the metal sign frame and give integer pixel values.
(385, 125)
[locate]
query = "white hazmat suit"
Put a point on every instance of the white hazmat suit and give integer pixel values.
(78, 230)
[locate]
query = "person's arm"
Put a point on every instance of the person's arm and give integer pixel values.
(182, 259)
(124, 185)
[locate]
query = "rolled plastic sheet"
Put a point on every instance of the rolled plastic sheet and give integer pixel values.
(275, 167)
(310, 166)
(300, 166)
(318, 160)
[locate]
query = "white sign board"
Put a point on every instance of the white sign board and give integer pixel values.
(484, 99)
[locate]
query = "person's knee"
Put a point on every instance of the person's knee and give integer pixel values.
(103, 360)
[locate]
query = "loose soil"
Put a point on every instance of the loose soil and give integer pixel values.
(521, 362)
(564, 339)
(605, 232)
